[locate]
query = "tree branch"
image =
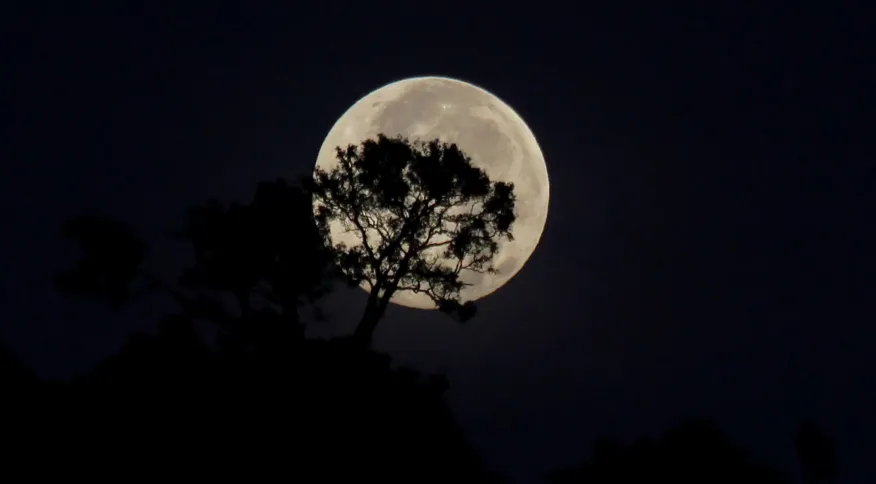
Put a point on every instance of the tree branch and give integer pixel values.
(435, 244)
(353, 218)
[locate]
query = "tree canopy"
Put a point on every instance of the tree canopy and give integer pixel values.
(694, 451)
(420, 213)
(266, 401)
(268, 256)
(253, 394)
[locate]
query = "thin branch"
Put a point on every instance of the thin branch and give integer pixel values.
(353, 218)
(436, 244)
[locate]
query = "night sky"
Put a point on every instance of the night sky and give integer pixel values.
(708, 251)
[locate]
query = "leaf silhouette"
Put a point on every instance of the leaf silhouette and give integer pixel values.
(111, 258)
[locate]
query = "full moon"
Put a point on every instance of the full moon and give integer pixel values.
(486, 129)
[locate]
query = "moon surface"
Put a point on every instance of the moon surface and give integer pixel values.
(485, 128)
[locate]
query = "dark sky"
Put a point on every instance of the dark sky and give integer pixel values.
(708, 250)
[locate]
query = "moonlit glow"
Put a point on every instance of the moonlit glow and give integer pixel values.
(485, 128)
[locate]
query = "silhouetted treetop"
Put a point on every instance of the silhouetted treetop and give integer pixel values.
(264, 401)
(331, 411)
(694, 452)
(816, 453)
(111, 257)
(270, 248)
(269, 255)
(414, 215)
(13, 373)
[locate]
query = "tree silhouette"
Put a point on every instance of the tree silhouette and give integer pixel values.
(421, 214)
(816, 453)
(269, 255)
(13, 373)
(266, 402)
(111, 258)
(693, 452)
(260, 400)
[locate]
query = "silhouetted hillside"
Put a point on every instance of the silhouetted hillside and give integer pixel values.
(327, 411)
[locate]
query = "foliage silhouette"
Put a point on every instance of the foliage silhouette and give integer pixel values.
(329, 411)
(252, 398)
(268, 248)
(693, 452)
(112, 255)
(13, 373)
(816, 453)
(421, 214)
(250, 393)
(269, 256)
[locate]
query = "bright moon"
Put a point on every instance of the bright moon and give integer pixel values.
(486, 129)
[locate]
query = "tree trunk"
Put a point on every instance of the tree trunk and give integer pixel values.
(365, 330)
(376, 306)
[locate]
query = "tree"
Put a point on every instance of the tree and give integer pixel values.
(421, 214)
(111, 258)
(692, 452)
(269, 255)
(255, 403)
(816, 452)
